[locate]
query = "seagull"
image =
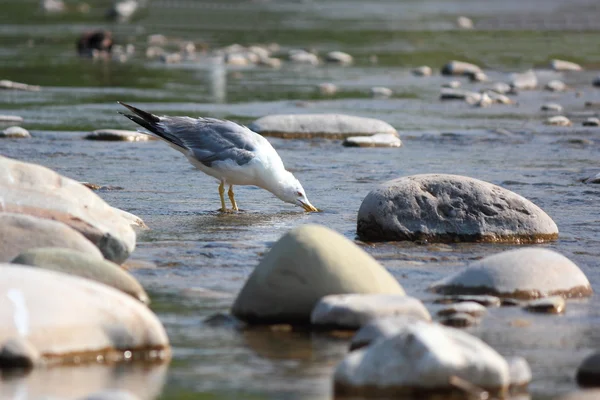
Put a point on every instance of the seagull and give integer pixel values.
(231, 153)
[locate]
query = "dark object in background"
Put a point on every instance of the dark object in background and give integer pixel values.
(95, 43)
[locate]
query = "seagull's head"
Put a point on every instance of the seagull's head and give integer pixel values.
(291, 191)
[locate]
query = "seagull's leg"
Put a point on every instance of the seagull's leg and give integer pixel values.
(221, 194)
(232, 198)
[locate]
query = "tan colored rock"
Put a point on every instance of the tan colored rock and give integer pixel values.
(20, 232)
(38, 191)
(306, 264)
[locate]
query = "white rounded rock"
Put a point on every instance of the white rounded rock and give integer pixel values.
(466, 307)
(524, 81)
(442, 207)
(562, 65)
(526, 273)
(15, 132)
(381, 328)
(10, 118)
(339, 57)
(327, 88)
(559, 120)
(556, 86)
(306, 264)
(591, 121)
(119, 135)
(303, 57)
(464, 22)
(352, 311)
(378, 140)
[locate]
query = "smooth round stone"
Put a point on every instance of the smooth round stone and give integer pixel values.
(10, 85)
(478, 77)
(519, 370)
(547, 305)
(423, 70)
(378, 140)
(105, 320)
(171, 58)
(591, 121)
(421, 357)
(270, 62)
(467, 307)
(10, 118)
(381, 328)
(559, 120)
(15, 132)
(80, 264)
(551, 107)
(450, 208)
(459, 320)
(460, 68)
(306, 264)
(464, 22)
(381, 92)
(38, 191)
(524, 81)
(588, 373)
(303, 57)
(527, 273)
(117, 135)
(562, 65)
(555, 86)
(334, 126)
(327, 89)
(20, 232)
(352, 311)
(484, 300)
(339, 57)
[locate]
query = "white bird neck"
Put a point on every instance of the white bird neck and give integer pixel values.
(279, 182)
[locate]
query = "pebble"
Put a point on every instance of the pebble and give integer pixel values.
(157, 40)
(501, 87)
(339, 57)
(526, 273)
(381, 92)
(53, 6)
(381, 328)
(559, 120)
(122, 10)
(547, 305)
(10, 118)
(423, 70)
(352, 311)
(460, 68)
(484, 101)
(464, 22)
(551, 107)
(459, 320)
(443, 207)
(334, 126)
(555, 86)
(303, 57)
(327, 89)
(524, 81)
(306, 264)
(117, 135)
(467, 307)
(561, 65)
(452, 84)
(10, 85)
(15, 132)
(377, 140)
(479, 76)
(153, 52)
(588, 373)
(270, 62)
(591, 121)
(459, 94)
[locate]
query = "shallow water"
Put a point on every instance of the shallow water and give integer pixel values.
(202, 258)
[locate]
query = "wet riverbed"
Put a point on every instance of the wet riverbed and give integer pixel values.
(193, 260)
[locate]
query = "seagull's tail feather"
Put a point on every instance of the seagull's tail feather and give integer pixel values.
(151, 123)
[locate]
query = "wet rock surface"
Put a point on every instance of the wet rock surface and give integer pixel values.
(547, 305)
(439, 207)
(377, 140)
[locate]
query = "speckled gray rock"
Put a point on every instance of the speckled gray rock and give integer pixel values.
(551, 107)
(524, 81)
(15, 132)
(460, 68)
(10, 118)
(547, 305)
(423, 70)
(381, 328)
(335, 126)
(555, 86)
(80, 264)
(352, 311)
(378, 140)
(20, 232)
(421, 357)
(561, 65)
(106, 321)
(38, 191)
(306, 264)
(118, 135)
(441, 207)
(559, 120)
(588, 373)
(526, 273)
(591, 121)
(466, 307)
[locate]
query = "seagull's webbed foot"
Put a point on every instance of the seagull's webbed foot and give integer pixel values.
(232, 198)
(221, 195)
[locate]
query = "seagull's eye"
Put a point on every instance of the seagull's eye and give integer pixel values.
(299, 193)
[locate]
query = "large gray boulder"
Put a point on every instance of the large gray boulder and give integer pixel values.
(20, 232)
(422, 357)
(62, 316)
(76, 263)
(306, 264)
(441, 207)
(333, 126)
(38, 191)
(523, 273)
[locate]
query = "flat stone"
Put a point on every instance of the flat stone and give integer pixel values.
(334, 126)
(377, 140)
(467, 307)
(15, 132)
(588, 373)
(464, 22)
(459, 320)
(381, 328)
(591, 121)
(118, 135)
(519, 370)
(38, 191)
(484, 300)
(551, 107)
(306, 264)
(420, 358)
(561, 65)
(524, 81)
(559, 120)
(339, 57)
(484, 101)
(460, 68)
(478, 77)
(592, 394)
(107, 321)
(352, 311)
(76, 263)
(527, 273)
(423, 70)
(270, 62)
(10, 118)
(450, 208)
(171, 58)
(547, 305)
(327, 89)
(20, 232)
(10, 85)
(459, 94)
(381, 92)
(556, 86)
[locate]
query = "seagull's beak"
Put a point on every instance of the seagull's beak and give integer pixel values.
(307, 206)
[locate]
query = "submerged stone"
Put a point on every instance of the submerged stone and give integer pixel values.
(460, 68)
(555, 86)
(377, 140)
(591, 121)
(10, 85)
(423, 70)
(484, 300)
(339, 57)
(327, 89)
(381, 92)
(547, 305)
(10, 118)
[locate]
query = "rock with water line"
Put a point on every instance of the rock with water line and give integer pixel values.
(556, 86)
(327, 89)
(339, 57)
(450, 208)
(459, 320)
(381, 92)
(562, 65)
(484, 300)
(467, 307)
(378, 140)
(559, 120)
(591, 121)
(15, 132)
(459, 94)
(118, 135)
(547, 305)
(460, 68)
(305, 265)
(593, 179)
(303, 57)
